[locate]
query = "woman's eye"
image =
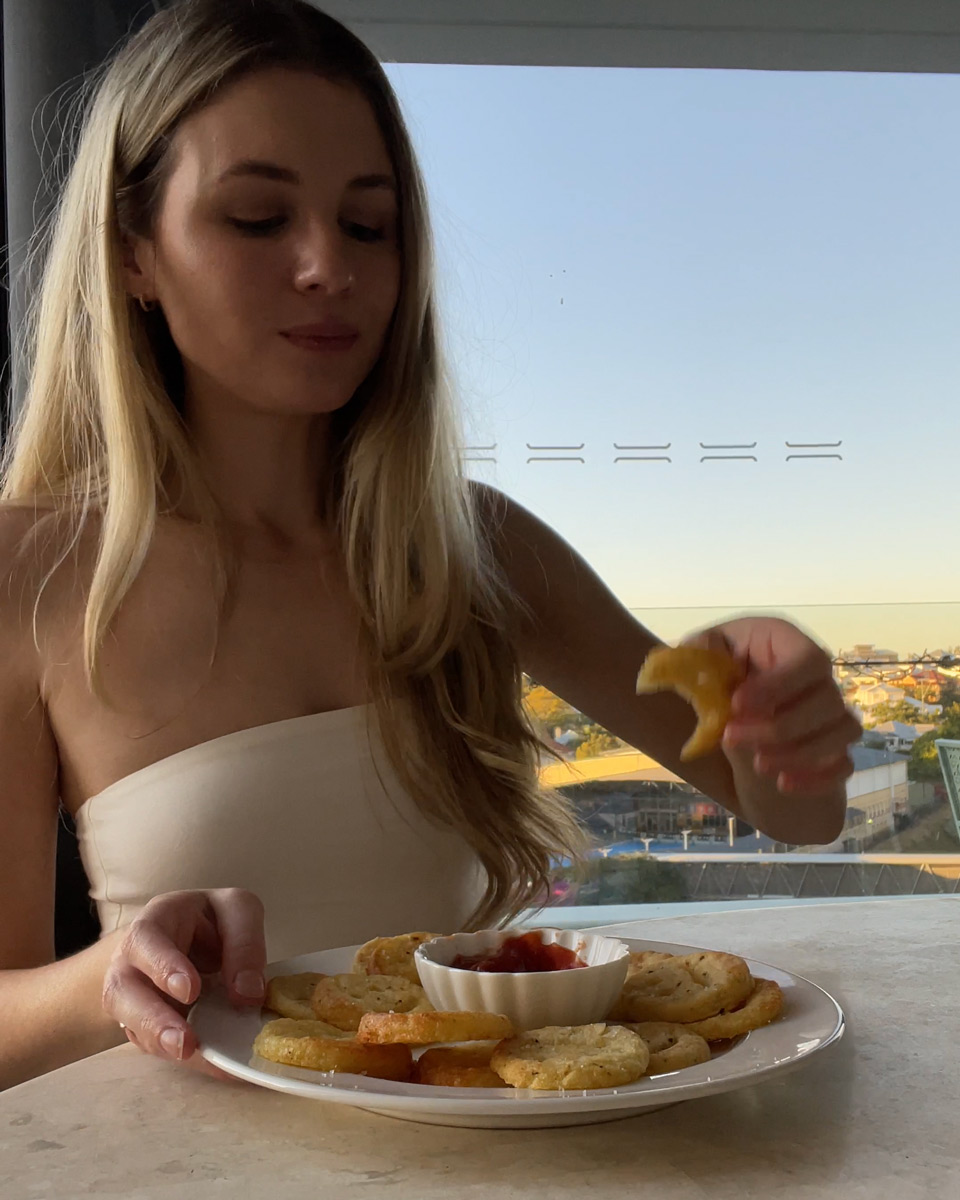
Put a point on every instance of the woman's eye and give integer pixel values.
(364, 233)
(259, 228)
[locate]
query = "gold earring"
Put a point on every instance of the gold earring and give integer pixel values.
(147, 305)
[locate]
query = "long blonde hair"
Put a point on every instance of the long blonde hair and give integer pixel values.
(101, 431)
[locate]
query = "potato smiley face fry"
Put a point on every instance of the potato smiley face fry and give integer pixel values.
(705, 678)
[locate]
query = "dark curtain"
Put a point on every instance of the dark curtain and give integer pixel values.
(63, 41)
(4, 263)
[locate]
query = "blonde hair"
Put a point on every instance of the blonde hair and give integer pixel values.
(101, 431)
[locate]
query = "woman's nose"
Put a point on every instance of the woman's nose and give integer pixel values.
(324, 262)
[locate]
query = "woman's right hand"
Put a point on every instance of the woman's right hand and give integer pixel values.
(155, 972)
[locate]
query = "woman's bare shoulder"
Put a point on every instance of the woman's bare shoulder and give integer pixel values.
(39, 557)
(19, 540)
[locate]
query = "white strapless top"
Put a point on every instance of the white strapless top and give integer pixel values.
(307, 813)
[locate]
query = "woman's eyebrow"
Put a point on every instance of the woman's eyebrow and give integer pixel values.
(261, 169)
(374, 181)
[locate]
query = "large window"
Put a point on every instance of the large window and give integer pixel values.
(703, 323)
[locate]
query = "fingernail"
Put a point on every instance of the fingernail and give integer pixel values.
(171, 1040)
(178, 985)
(249, 984)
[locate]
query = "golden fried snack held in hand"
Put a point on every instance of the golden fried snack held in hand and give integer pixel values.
(423, 1028)
(682, 988)
(572, 1056)
(342, 1000)
(391, 955)
(289, 995)
(706, 678)
(317, 1046)
(763, 1005)
(672, 1047)
(457, 1066)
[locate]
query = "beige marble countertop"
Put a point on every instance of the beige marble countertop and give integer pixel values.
(876, 1117)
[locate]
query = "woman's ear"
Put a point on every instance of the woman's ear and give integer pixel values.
(138, 258)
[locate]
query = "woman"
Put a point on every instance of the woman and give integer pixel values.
(260, 637)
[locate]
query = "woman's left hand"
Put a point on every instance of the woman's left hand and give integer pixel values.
(788, 720)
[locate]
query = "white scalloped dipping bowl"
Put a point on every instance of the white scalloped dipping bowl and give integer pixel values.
(531, 999)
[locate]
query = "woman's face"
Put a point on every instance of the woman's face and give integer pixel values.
(275, 254)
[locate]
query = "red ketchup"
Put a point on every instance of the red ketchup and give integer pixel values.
(525, 953)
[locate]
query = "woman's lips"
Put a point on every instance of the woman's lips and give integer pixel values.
(323, 343)
(329, 335)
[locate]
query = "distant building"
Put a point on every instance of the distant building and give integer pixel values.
(876, 792)
(900, 737)
(867, 652)
(851, 680)
(551, 751)
(627, 794)
(870, 695)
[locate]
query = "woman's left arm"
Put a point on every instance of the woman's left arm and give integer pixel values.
(785, 755)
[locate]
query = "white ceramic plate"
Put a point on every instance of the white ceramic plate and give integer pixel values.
(811, 1021)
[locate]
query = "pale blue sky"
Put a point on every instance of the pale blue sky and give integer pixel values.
(741, 257)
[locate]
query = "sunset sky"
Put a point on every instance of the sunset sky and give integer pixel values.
(693, 259)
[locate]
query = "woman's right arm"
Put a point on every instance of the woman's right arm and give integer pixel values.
(51, 1010)
(54, 1013)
